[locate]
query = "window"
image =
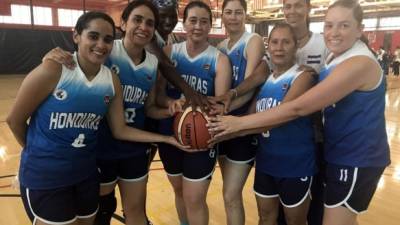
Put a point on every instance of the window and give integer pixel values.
(317, 27)
(68, 17)
(389, 23)
(370, 24)
(42, 16)
(20, 14)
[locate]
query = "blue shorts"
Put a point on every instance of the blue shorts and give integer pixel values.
(130, 169)
(62, 205)
(291, 191)
(196, 166)
(350, 187)
(239, 150)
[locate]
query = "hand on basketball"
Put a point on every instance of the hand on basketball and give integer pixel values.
(225, 99)
(196, 99)
(60, 56)
(218, 108)
(176, 106)
(223, 125)
(172, 141)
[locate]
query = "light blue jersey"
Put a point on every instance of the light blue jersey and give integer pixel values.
(136, 81)
(354, 127)
(287, 150)
(62, 132)
(238, 58)
(199, 72)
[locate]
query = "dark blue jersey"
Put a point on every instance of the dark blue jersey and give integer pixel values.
(354, 127)
(287, 150)
(136, 81)
(199, 72)
(62, 132)
(238, 58)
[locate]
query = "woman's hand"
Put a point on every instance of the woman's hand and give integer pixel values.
(216, 139)
(225, 100)
(217, 108)
(176, 106)
(172, 141)
(60, 56)
(224, 125)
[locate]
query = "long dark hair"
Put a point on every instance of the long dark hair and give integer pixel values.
(133, 5)
(84, 20)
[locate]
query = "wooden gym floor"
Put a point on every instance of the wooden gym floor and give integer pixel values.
(383, 210)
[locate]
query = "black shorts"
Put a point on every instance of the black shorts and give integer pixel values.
(127, 169)
(239, 150)
(291, 191)
(196, 166)
(351, 187)
(62, 205)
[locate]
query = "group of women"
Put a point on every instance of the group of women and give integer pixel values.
(68, 142)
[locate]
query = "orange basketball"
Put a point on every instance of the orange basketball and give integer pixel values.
(190, 128)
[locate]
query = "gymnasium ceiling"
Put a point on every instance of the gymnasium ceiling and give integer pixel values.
(258, 10)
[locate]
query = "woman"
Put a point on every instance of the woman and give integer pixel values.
(236, 157)
(58, 162)
(208, 72)
(285, 162)
(352, 94)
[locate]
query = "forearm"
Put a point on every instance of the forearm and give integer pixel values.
(169, 72)
(158, 113)
(133, 134)
(240, 101)
(272, 117)
(19, 131)
(252, 131)
(258, 77)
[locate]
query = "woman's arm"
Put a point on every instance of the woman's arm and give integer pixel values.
(255, 51)
(152, 109)
(35, 88)
(223, 75)
(121, 131)
(357, 73)
(299, 86)
(169, 72)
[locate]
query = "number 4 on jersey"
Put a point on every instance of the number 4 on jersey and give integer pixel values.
(78, 142)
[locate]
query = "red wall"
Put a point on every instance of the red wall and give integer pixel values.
(376, 39)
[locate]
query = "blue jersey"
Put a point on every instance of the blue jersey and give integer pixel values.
(354, 127)
(287, 150)
(199, 72)
(238, 58)
(62, 132)
(136, 81)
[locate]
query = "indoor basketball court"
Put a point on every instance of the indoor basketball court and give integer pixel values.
(31, 28)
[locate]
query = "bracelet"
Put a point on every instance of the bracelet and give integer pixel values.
(235, 92)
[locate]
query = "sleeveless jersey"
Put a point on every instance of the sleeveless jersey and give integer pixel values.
(136, 81)
(354, 127)
(198, 72)
(62, 132)
(287, 150)
(238, 58)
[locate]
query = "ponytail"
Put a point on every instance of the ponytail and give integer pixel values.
(364, 39)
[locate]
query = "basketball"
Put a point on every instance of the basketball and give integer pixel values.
(190, 128)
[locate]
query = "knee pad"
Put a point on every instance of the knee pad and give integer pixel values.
(107, 207)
